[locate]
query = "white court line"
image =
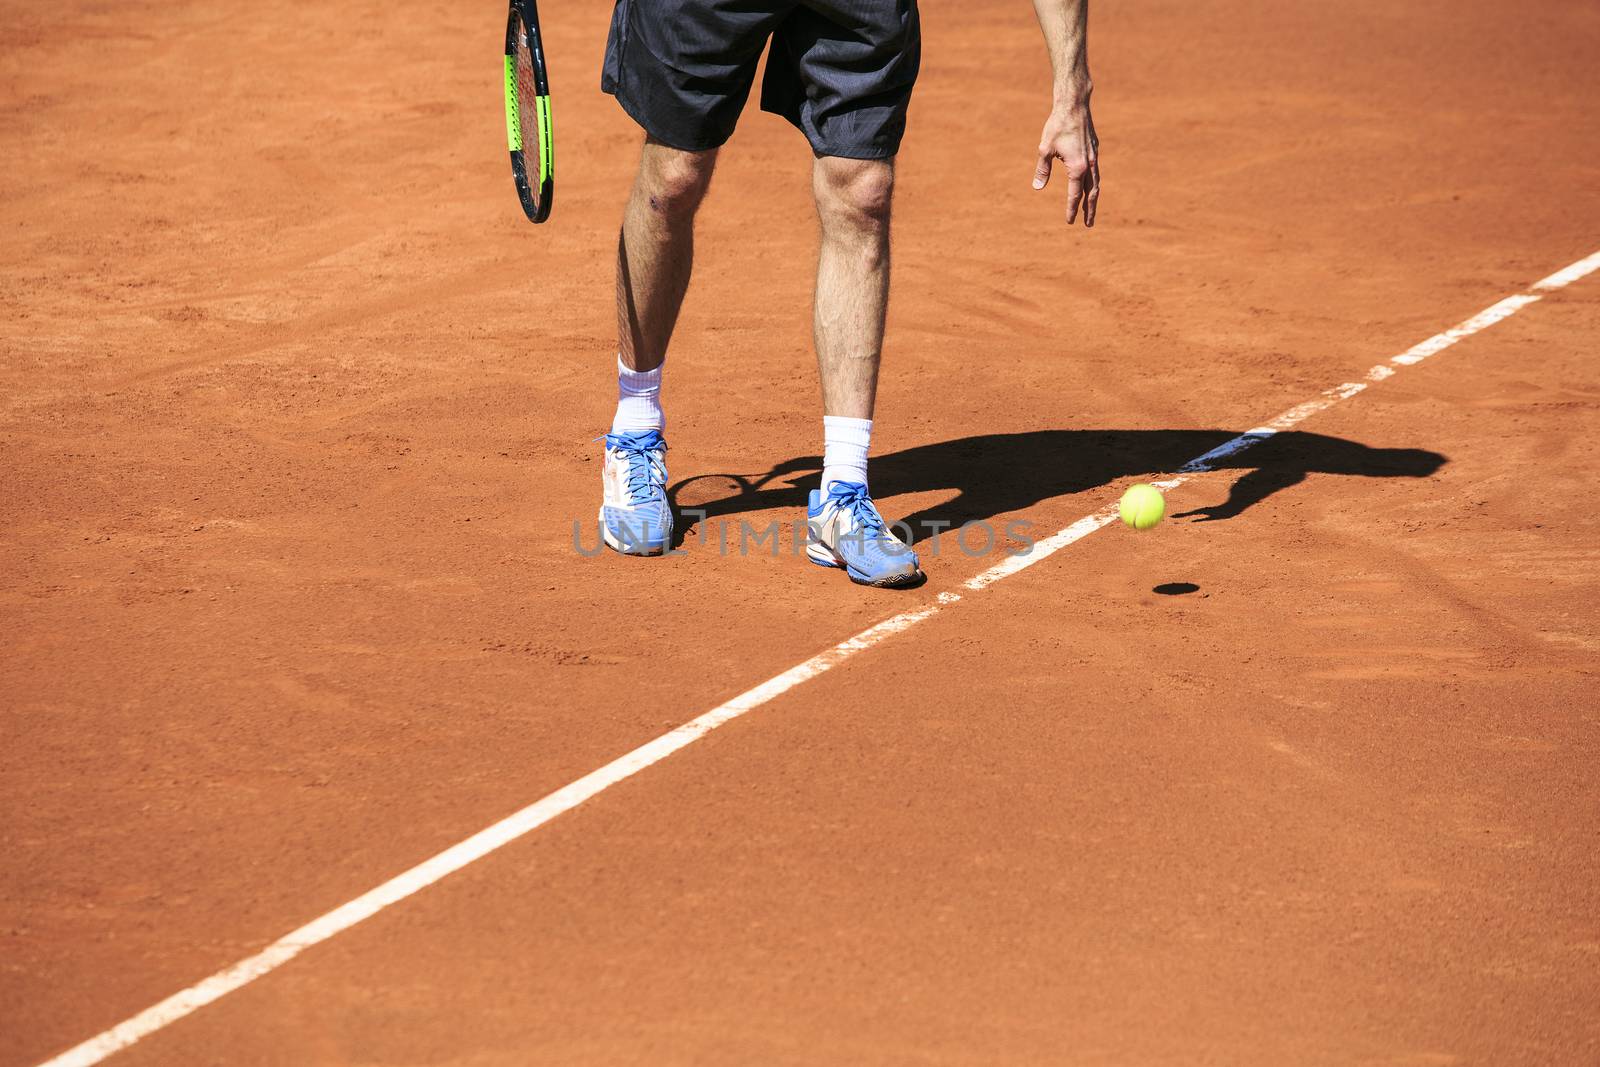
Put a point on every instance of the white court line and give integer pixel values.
(570, 796)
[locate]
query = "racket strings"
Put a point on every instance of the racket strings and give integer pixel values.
(527, 98)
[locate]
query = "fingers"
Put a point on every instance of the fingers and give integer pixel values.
(1092, 200)
(1074, 196)
(1083, 193)
(1083, 182)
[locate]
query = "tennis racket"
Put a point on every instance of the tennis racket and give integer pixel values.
(528, 111)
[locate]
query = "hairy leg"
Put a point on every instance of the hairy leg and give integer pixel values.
(853, 206)
(655, 251)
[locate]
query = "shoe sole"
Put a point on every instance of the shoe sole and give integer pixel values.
(616, 545)
(823, 556)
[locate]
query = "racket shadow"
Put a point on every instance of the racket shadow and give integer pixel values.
(1004, 474)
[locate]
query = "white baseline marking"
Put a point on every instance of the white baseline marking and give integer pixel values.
(1567, 275)
(570, 796)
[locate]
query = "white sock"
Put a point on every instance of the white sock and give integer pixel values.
(638, 399)
(845, 444)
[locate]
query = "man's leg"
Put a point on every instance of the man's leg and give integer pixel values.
(655, 253)
(656, 249)
(853, 205)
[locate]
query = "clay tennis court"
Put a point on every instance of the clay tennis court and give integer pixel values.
(298, 418)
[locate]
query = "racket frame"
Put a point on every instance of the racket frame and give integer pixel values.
(525, 13)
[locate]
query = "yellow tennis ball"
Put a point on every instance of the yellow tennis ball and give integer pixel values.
(1142, 506)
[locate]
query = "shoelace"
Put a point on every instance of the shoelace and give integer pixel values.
(647, 470)
(852, 497)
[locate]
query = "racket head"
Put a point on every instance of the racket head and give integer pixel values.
(528, 129)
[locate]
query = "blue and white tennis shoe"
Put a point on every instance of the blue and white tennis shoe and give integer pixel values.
(635, 518)
(847, 531)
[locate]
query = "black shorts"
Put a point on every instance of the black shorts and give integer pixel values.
(840, 70)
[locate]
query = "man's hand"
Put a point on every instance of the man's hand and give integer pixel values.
(1069, 136)
(1069, 132)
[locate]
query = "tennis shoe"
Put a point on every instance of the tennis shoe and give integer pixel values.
(635, 518)
(847, 531)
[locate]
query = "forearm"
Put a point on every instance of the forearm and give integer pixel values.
(1066, 34)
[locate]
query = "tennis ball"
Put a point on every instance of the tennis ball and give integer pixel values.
(1142, 506)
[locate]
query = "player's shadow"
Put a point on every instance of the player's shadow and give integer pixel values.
(1002, 474)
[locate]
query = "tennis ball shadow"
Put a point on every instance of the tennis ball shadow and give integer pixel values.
(1176, 588)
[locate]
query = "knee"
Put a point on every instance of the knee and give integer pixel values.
(854, 193)
(678, 181)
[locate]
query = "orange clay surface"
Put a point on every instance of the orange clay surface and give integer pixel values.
(295, 422)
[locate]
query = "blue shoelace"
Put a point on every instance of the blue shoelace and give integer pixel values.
(647, 471)
(852, 497)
